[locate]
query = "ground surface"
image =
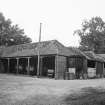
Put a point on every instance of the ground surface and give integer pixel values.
(22, 90)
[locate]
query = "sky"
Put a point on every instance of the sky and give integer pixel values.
(59, 18)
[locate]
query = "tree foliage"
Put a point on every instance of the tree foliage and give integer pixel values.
(11, 34)
(92, 35)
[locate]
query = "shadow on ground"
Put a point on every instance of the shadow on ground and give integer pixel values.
(87, 96)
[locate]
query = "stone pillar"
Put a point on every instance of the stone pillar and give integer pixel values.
(17, 71)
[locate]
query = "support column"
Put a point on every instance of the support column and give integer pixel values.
(8, 65)
(41, 66)
(99, 69)
(103, 71)
(56, 67)
(17, 71)
(60, 67)
(85, 68)
(38, 65)
(28, 69)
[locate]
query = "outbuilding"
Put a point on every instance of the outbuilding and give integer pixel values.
(56, 60)
(95, 62)
(23, 59)
(85, 64)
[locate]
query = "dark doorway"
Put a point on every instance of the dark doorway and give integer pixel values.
(33, 66)
(91, 64)
(22, 66)
(13, 66)
(77, 64)
(48, 68)
(79, 67)
(91, 69)
(3, 66)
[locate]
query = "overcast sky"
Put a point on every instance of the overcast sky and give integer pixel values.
(59, 17)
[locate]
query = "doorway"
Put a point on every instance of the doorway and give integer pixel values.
(48, 67)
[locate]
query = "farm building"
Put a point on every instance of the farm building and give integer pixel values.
(86, 64)
(23, 59)
(56, 60)
(103, 56)
(97, 62)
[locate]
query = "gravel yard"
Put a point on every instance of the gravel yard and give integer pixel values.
(24, 90)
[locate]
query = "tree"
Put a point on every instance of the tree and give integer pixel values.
(92, 35)
(11, 34)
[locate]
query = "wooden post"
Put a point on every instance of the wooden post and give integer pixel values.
(60, 67)
(97, 73)
(17, 65)
(103, 71)
(8, 64)
(41, 65)
(56, 67)
(28, 69)
(38, 66)
(84, 68)
(99, 69)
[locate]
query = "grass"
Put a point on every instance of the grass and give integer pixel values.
(89, 96)
(22, 90)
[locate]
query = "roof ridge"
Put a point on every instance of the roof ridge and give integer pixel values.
(32, 43)
(53, 42)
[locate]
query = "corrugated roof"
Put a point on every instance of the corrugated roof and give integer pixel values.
(102, 56)
(30, 49)
(87, 54)
(77, 52)
(46, 48)
(94, 56)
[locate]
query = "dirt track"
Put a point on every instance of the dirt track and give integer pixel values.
(31, 91)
